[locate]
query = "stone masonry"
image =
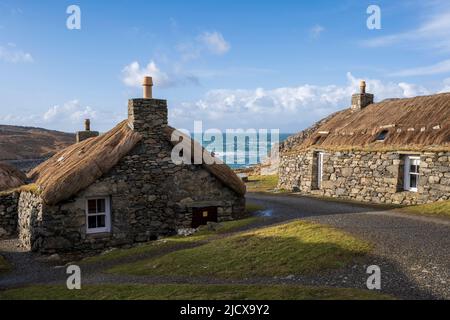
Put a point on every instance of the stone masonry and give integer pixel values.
(8, 214)
(366, 176)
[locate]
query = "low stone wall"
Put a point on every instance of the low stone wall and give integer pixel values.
(29, 220)
(367, 176)
(8, 214)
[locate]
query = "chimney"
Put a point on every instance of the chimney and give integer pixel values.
(361, 99)
(147, 84)
(148, 116)
(87, 133)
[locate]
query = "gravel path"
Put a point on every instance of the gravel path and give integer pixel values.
(412, 251)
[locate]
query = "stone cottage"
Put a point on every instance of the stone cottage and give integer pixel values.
(396, 152)
(122, 187)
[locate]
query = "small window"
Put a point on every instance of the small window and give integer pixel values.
(412, 168)
(98, 215)
(382, 135)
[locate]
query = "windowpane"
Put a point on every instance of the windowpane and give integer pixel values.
(414, 168)
(413, 181)
(92, 206)
(92, 222)
(101, 206)
(101, 222)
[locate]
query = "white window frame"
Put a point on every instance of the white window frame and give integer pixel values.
(107, 214)
(407, 173)
(319, 169)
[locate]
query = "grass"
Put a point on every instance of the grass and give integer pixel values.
(262, 183)
(437, 209)
(4, 265)
(189, 292)
(171, 242)
(294, 248)
(33, 188)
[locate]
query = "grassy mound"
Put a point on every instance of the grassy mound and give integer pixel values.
(290, 249)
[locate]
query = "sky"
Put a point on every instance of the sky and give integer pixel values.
(231, 64)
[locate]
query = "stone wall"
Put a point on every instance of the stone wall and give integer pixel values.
(367, 176)
(150, 196)
(8, 214)
(30, 220)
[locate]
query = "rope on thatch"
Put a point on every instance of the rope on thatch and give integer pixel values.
(80, 165)
(10, 177)
(213, 165)
(413, 123)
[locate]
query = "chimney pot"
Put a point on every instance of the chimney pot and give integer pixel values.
(87, 125)
(362, 86)
(148, 86)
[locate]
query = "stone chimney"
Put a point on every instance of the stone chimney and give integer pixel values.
(361, 99)
(87, 133)
(148, 116)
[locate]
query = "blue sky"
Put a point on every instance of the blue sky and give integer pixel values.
(231, 64)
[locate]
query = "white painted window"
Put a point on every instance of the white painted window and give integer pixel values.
(319, 169)
(98, 215)
(412, 168)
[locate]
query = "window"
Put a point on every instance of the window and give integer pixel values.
(98, 215)
(412, 167)
(382, 135)
(319, 166)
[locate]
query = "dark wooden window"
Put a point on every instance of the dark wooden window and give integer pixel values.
(201, 216)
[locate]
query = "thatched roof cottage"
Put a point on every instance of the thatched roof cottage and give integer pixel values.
(122, 187)
(396, 151)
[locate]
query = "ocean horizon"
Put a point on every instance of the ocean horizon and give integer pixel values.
(237, 155)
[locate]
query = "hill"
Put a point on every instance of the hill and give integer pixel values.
(21, 143)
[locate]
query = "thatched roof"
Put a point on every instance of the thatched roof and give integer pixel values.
(216, 167)
(80, 165)
(10, 177)
(420, 123)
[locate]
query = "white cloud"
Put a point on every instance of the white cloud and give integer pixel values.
(316, 31)
(287, 108)
(71, 111)
(434, 32)
(438, 68)
(11, 54)
(214, 42)
(133, 74)
(67, 117)
(446, 87)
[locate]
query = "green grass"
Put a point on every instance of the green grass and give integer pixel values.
(155, 247)
(33, 188)
(437, 209)
(189, 292)
(295, 248)
(262, 183)
(4, 265)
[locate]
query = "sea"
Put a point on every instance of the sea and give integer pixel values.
(241, 150)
